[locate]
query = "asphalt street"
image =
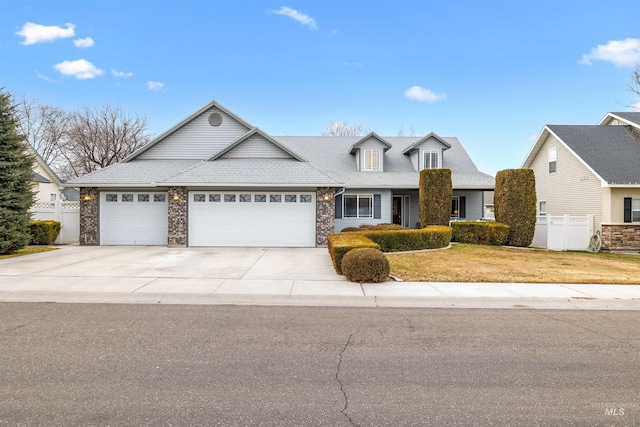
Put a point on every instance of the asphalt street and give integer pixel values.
(170, 365)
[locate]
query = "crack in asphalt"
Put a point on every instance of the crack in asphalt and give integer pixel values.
(344, 393)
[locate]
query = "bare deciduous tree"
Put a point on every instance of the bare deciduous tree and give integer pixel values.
(635, 85)
(412, 130)
(44, 128)
(102, 137)
(343, 128)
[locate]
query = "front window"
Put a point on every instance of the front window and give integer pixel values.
(635, 210)
(431, 159)
(372, 160)
(358, 206)
(542, 207)
(553, 159)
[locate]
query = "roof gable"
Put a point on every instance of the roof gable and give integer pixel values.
(431, 136)
(198, 136)
(367, 138)
(256, 144)
(622, 118)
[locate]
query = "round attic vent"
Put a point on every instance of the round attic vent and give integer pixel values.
(215, 119)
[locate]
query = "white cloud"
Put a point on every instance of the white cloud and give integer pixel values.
(622, 53)
(80, 69)
(82, 43)
(123, 74)
(424, 95)
(302, 18)
(636, 106)
(36, 33)
(155, 85)
(45, 78)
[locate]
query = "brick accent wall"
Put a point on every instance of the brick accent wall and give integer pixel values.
(621, 238)
(325, 214)
(177, 216)
(89, 231)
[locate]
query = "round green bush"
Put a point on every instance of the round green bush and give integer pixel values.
(365, 265)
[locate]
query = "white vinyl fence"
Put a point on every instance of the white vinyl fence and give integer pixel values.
(563, 232)
(67, 213)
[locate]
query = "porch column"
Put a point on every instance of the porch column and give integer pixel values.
(89, 233)
(325, 214)
(177, 216)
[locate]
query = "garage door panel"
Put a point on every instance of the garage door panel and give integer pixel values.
(140, 218)
(263, 220)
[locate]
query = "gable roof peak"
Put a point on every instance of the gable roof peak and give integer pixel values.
(431, 135)
(256, 131)
(211, 104)
(368, 136)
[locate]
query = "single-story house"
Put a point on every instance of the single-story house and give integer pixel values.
(592, 170)
(213, 179)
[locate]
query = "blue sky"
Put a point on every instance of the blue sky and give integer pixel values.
(492, 73)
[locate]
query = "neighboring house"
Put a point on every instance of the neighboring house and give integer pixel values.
(592, 170)
(46, 184)
(216, 180)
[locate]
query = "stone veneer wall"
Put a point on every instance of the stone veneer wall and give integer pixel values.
(89, 217)
(325, 214)
(177, 216)
(621, 238)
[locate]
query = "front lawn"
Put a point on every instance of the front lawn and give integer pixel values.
(478, 263)
(29, 250)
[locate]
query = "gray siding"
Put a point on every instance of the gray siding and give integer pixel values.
(198, 139)
(572, 189)
(385, 200)
(473, 204)
(258, 147)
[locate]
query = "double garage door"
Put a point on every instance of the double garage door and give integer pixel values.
(267, 219)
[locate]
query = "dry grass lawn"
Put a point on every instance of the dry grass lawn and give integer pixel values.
(28, 251)
(477, 263)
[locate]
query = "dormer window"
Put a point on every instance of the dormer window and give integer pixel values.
(432, 159)
(372, 160)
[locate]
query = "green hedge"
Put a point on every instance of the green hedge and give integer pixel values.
(515, 204)
(341, 243)
(44, 232)
(480, 233)
(434, 197)
(431, 237)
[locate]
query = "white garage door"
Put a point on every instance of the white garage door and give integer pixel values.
(266, 219)
(133, 218)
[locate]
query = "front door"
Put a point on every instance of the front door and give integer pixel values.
(397, 210)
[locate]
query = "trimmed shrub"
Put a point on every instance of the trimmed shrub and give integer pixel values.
(365, 265)
(341, 243)
(480, 233)
(388, 227)
(432, 237)
(44, 232)
(515, 204)
(435, 194)
(350, 229)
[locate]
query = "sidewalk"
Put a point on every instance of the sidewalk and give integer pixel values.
(300, 277)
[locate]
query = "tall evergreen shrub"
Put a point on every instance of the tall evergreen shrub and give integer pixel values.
(435, 194)
(16, 193)
(515, 204)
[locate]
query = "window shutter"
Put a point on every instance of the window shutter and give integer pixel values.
(627, 209)
(377, 206)
(338, 200)
(462, 209)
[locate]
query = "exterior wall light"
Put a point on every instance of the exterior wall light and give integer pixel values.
(87, 197)
(326, 197)
(176, 197)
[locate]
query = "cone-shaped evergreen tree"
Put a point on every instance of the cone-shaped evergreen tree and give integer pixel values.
(16, 171)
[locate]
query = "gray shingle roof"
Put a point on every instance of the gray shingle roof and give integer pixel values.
(612, 151)
(36, 177)
(331, 154)
(329, 164)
